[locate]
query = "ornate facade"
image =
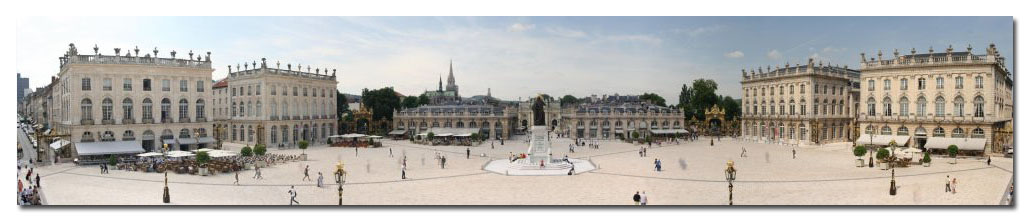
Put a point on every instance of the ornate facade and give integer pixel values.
(129, 97)
(275, 106)
(613, 117)
(935, 96)
(799, 105)
(494, 122)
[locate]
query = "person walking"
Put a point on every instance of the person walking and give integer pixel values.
(493, 144)
(637, 198)
(390, 152)
(37, 181)
(256, 173)
(292, 195)
(645, 152)
(644, 200)
(468, 153)
(743, 152)
(954, 185)
(236, 178)
(659, 165)
(320, 180)
(948, 184)
(793, 153)
(443, 162)
(403, 172)
(989, 160)
(306, 173)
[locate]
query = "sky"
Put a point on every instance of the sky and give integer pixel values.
(517, 57)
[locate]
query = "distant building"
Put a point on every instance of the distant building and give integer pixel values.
(610, 117)
(23, 85)
(450, 94)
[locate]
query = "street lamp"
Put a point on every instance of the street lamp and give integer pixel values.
(892, 190)
(729, 175)
(167, 195)
(340, 178)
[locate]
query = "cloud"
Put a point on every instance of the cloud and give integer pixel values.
(735, 54)
(774, 54)
(567, 33)
(519, 27)
(830, 49)
(636, 38)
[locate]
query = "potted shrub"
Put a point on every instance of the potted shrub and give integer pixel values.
(431, 137)
(260, 150)
(953, 150)
(927, 159)
(634, 136)
(247, 152)
(303, 146)
(883, 156)
(201, 159)
(474, 138)
(859, 151)
(113, 161)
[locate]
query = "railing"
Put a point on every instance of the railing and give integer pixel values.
(106, 59)
(931, 60)
(86, 122)
(183, 119)
(201, 119)
(147, 120)
(107, 121)
(128, 121)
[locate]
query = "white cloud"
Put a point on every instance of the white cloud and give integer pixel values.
(567, 33)
(735, 54)
(519, 27)
(774, 54)
(636, 38)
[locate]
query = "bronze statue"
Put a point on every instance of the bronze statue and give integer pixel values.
(539, 111)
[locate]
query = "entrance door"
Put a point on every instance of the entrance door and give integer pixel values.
(148, 145)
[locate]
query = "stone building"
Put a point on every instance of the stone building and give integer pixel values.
(128, 101)
(492, 122)
(612, 117)
(449, 95)
(275, 106)
(799, 105)
(938, 99)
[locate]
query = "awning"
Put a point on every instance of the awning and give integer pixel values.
(57, 144)
(397, 132)
(976, 144)
(462, 135)
(374, 137)
(150, 154)
(618, 131)
(207, 140)
(186, 141)
(110, 147)
(353, 136)
(170, 141)
(444, 135)
(883, 140)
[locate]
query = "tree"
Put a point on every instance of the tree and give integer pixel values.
(731, 107)
(475, 136)
(341, 104)
(653, 99)
(859, 151)
(568, 100)
(423, 100)
(431, 135)
(202, 157)
(303, 146)
(953, 150)
(883, 154)
(113, 160)
(685, 100)
(259, 149)
(634, 135)
(410, 102)
(927, 157)
(246, 151)
(704, 95)
(381, 101)
(546, 97)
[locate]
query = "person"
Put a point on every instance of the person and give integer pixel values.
(659, 165)
(403, 172)
(640, 151)
(493, 143)
(306, 173)
(711, 142)
(948, 184)
(320, 179)
(644, 200)
(743, 152)
(356, 151)
(468, 153)
(236, 178)
(443, 162)
(989, 160)
(793, 153)
(645, 152)
(292, 195)
(542, 164)
(390, 152)
(954, 185)
(637, 198)
(570, 148)
(256, 173)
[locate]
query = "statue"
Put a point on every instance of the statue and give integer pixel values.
(539, 111)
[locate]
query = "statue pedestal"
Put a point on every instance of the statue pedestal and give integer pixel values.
(539, 149)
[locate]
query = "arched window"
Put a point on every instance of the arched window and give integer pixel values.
(184, 133)
(107, 136)
(904, 106)
(957, 106)
(87, 109)
(903, 131)
(939, 132)
(978, 106)
(869, 130)
(871, 107)
(128, 136)
(977, 133)
(108, 109)
(887, 106)
(886, 130)
(183, 110)
(939, 106)
(958, 133)
(921, 106)
(199, 109)
(147, 109)
(126, 109)
(165, 110)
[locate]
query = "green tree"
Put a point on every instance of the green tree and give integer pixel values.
(113, 160)
(410, 102)
(685, 101)
(381, 101)
(731, 107)
(568, 100)
(341, 104)
(423, 99)
(246, 151)
(303, 146)
(704, 95)
(259, 149)
(546, 97)
(883, 154)
(927, 157)
(202, 157)
(953, 150)
(653, 98)
(859, 151)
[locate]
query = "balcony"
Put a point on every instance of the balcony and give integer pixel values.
(166, 121)
(285, 117)
(183, 120)
(107, 121)
(201, 119)
(147, 120)
(128, 121)
(86, 122)
(274, 117)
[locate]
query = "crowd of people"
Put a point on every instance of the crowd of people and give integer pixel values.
(28, 189)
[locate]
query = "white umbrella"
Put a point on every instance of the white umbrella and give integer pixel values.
(204, 150)
(150, 154)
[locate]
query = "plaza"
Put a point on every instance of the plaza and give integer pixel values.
(693, 174)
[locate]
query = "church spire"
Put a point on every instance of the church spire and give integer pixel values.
(451, 81)
(440, 82)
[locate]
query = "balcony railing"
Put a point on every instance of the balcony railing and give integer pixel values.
(147, 120)
(128, 121)
(107, 121)
(201, 119)
(183, 119)
(86, 122)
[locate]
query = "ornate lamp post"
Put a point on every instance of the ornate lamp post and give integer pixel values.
(340, 178)
(892, 190)
(167, 194)
(729, 175)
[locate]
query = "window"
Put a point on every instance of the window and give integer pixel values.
(147, 85)
(885, 130)
(870, 85)
(107, 109)
(199, 109)
(86, 84)
(126, 108)
(939, 83)
(939, 106)
(903, 131)
(183, 85)
(258, 89)
(802, 108)
(147, 108)
(295, 91)
(921, 106)
(887, 84)
(127, 85)
(978, 106)
(921, 84)
(871, 107)
(259, 108)
(791, 89)
(183, 110)
(249, 90)
(939, 132)
(165, 85)
(957, 107)
(273, 91)
(977, 133)
(199, 86)
(87, 109)
(904, 106)
(233, 109)
(887, 106)
(304, 92)
(978, 82)
(165, 110)
(233, 92)
(958, 133)
(802, 89)
(108, 84)
(903, 84)
(869, 130)
(959, 82)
